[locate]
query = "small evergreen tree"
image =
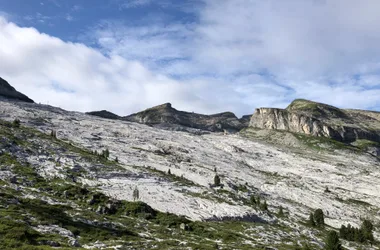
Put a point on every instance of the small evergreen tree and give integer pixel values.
(280, 212)
(53, 134)
(332, 241)
(16, 123)
(264, 206)
(252, 200)
(311, 221)
(116, 159)
(319, 218)
(216, 180)
(136, 194)
(169, 172)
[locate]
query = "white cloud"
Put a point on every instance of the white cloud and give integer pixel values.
(236, 56)
(134, 3)
(76, 77)
(69, 17)
(310, 48)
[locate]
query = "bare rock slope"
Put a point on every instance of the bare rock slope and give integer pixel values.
(317, 119)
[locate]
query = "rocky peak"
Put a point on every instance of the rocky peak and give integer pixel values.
(9, 92)
(104, 114)
(165, 116)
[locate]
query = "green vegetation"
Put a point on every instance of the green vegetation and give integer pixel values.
(332, 241)
(216, 180)
(361, 235)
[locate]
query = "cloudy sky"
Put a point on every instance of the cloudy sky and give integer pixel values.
(205, 56)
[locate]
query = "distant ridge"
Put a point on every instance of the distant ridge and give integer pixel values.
(104, 114)
(165, 116)
(9, 92)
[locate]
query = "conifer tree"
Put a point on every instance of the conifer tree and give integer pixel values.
(332, 241)
(217, 180)
(311, 220)
(319, 218)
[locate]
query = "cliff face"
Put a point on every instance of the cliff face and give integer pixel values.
(318, 119)
(166, 116)
(7, 91)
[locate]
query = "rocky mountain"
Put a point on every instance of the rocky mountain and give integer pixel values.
(9, 92)
(165, 116)
(104, 114)
(317, 119)
(76, 181)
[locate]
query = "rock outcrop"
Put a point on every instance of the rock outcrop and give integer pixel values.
(165, 116)
(7, 91)
(318, 119)
(104, 114)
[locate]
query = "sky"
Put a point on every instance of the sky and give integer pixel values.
(204, 56)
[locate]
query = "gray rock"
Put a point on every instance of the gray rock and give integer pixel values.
(7, 91)
(166, 117)
(74, 243)
(318, 119)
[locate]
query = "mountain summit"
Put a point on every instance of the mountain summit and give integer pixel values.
(7, 91)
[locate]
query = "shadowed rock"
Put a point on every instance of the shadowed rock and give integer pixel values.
(165, 115)
(7, 91)
(104, 114)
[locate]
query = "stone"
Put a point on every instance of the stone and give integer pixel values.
(167, 117)
(9, 92)
(74, 243)
(321, 120)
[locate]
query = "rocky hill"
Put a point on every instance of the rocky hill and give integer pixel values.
(165, 116)
(104, 114)
(317, 119)
(72, 180)
(9, 92)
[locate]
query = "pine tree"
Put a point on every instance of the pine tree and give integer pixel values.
(136, 194)
(332, 241)
(169, 172)
(116, 159)
(311, 220)
(16, 123)
(319, 218)
(253, 200)
(217, 180)
(280, 212)
(264, 206)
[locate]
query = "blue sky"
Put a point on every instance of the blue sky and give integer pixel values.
(205, 56)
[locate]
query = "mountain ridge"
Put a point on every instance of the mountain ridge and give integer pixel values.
(9, 92)
(318, 119)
